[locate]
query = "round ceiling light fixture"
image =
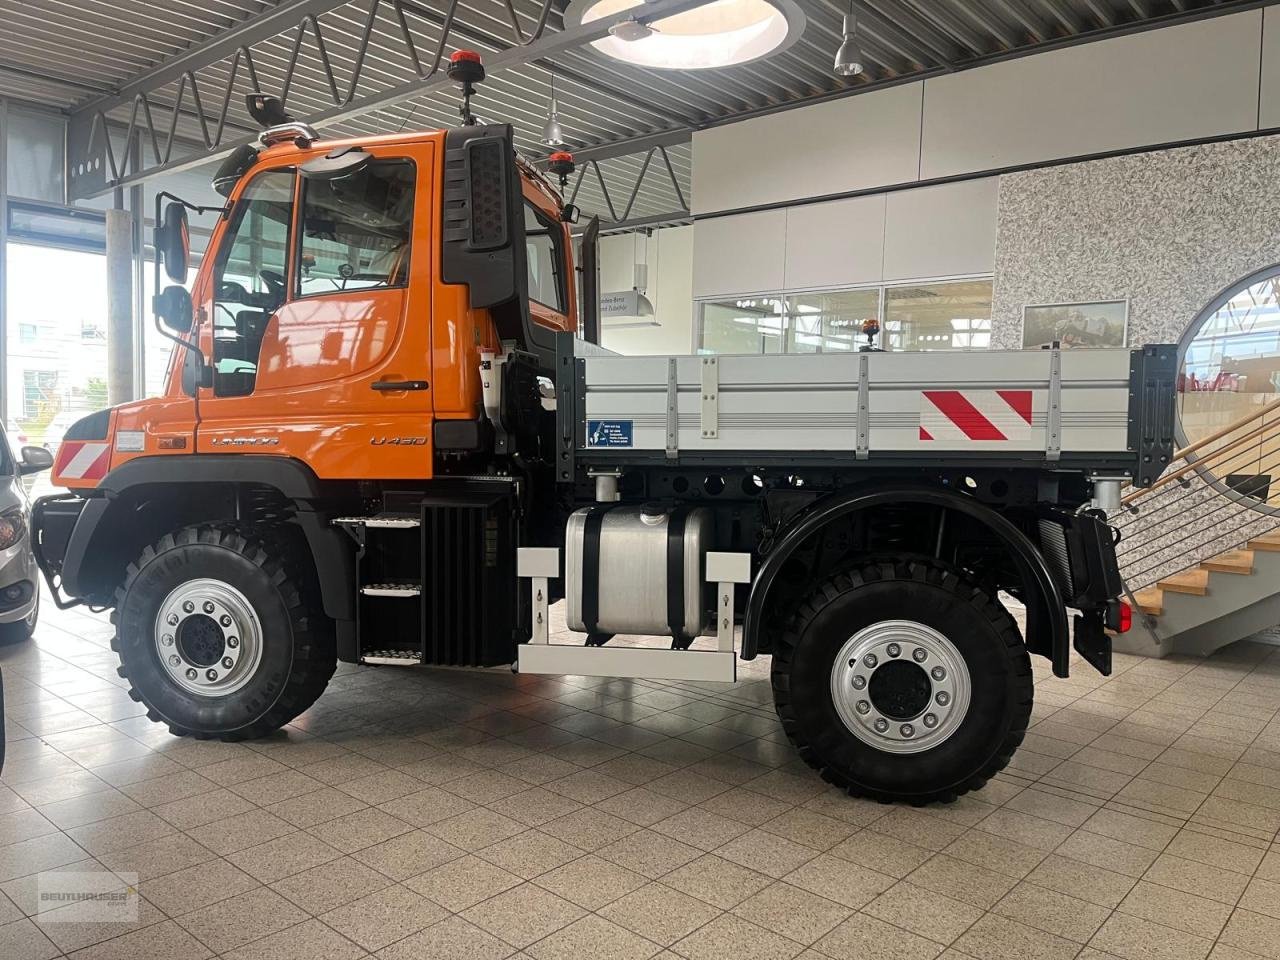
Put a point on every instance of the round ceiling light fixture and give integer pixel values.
(722, 33)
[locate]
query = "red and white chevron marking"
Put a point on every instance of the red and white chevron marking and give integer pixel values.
(998, 416)
(81, 460)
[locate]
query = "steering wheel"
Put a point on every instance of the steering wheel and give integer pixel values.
(274, 280)
(232, 292)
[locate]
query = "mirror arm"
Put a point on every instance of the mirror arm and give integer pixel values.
(155, 262)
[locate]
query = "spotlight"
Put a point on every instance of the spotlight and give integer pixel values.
(552, 131)
(848, 62)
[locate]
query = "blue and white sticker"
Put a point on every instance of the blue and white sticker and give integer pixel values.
(610, 433)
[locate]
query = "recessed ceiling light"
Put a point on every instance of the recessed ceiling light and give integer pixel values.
(721, 33)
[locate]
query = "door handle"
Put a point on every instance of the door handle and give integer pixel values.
(390, 385)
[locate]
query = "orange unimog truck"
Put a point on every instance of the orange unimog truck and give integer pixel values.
(387, 434)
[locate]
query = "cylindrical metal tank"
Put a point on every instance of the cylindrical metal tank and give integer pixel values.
(638, 570)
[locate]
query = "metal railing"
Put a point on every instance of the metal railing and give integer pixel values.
(1218, 494)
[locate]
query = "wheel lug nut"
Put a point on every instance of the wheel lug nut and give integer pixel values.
(191, 674)
(859, 682)
(930, 720)
(188, 606)
(174, 660)
(211, 674)
(938, 673)
(893, 650)
(919, 654)
(862, 706)
(907, 730)
(172, 619)
(870, 660)
(233, 642)
(228, 663)
(167, 640)
(943, 698)
(208, 606)
(881, 725)
(224, 620)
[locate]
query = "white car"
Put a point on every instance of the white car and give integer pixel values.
(19, 576)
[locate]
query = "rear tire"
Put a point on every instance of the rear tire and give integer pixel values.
(216, 635)
(899, 609)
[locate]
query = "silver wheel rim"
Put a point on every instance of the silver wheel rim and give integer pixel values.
(893, 724)
(208, 638)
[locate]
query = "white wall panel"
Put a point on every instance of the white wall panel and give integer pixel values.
(941, 231)
(836, 243)
(739, 254)
(855, 143)
(670, 254)
(1177, 83)
(1269, 100)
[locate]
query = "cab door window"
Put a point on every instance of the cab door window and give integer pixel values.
(544, 248)
(356, 230)
(249, 279)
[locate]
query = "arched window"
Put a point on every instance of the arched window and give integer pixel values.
(1230, 371)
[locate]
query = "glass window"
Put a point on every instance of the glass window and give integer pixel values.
(831, 322)
(249, 279)
(746, 325)
(356, 230)
(1231, 369)
(53, 376)
(938, 316)
(954, 315)
(544, 250)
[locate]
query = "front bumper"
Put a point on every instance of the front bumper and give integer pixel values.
(53, 523)
(18, 572)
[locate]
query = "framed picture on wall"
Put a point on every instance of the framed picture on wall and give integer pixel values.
(1103, 323)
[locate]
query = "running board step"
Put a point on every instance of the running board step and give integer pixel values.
(383, 521)
(392, 590)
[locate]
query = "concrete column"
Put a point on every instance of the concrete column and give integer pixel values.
(120, 356)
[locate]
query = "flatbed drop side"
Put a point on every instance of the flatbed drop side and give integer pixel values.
(383, 436)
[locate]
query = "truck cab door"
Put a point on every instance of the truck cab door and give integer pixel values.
(325, 355)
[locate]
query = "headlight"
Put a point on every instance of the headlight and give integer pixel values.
(12, 528)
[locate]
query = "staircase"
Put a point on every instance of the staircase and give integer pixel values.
(1200, 550)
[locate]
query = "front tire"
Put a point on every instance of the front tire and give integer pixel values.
(900, 680)
(215, 635)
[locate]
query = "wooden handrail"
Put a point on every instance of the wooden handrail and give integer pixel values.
(1189, 467)
(1229, 428)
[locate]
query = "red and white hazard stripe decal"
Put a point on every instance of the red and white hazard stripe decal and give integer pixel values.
(81, 460)
(1001, 416)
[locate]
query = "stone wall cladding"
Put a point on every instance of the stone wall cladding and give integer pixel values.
(1169, 230)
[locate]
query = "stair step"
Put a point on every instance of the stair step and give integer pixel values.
(383, 521)
(1268, 541)
(1195, 582)
(392, 590)
(1150, 601)
(1233, 561)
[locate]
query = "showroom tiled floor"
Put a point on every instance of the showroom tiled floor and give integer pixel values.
(421, 813)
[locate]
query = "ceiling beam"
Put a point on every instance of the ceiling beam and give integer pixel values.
(221, 45)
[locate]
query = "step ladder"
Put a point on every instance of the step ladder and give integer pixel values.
(400, 621)
(541, 565)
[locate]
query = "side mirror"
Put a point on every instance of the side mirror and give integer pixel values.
(570, 213)
(173, 242)
(173, 306)
(35, 459)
